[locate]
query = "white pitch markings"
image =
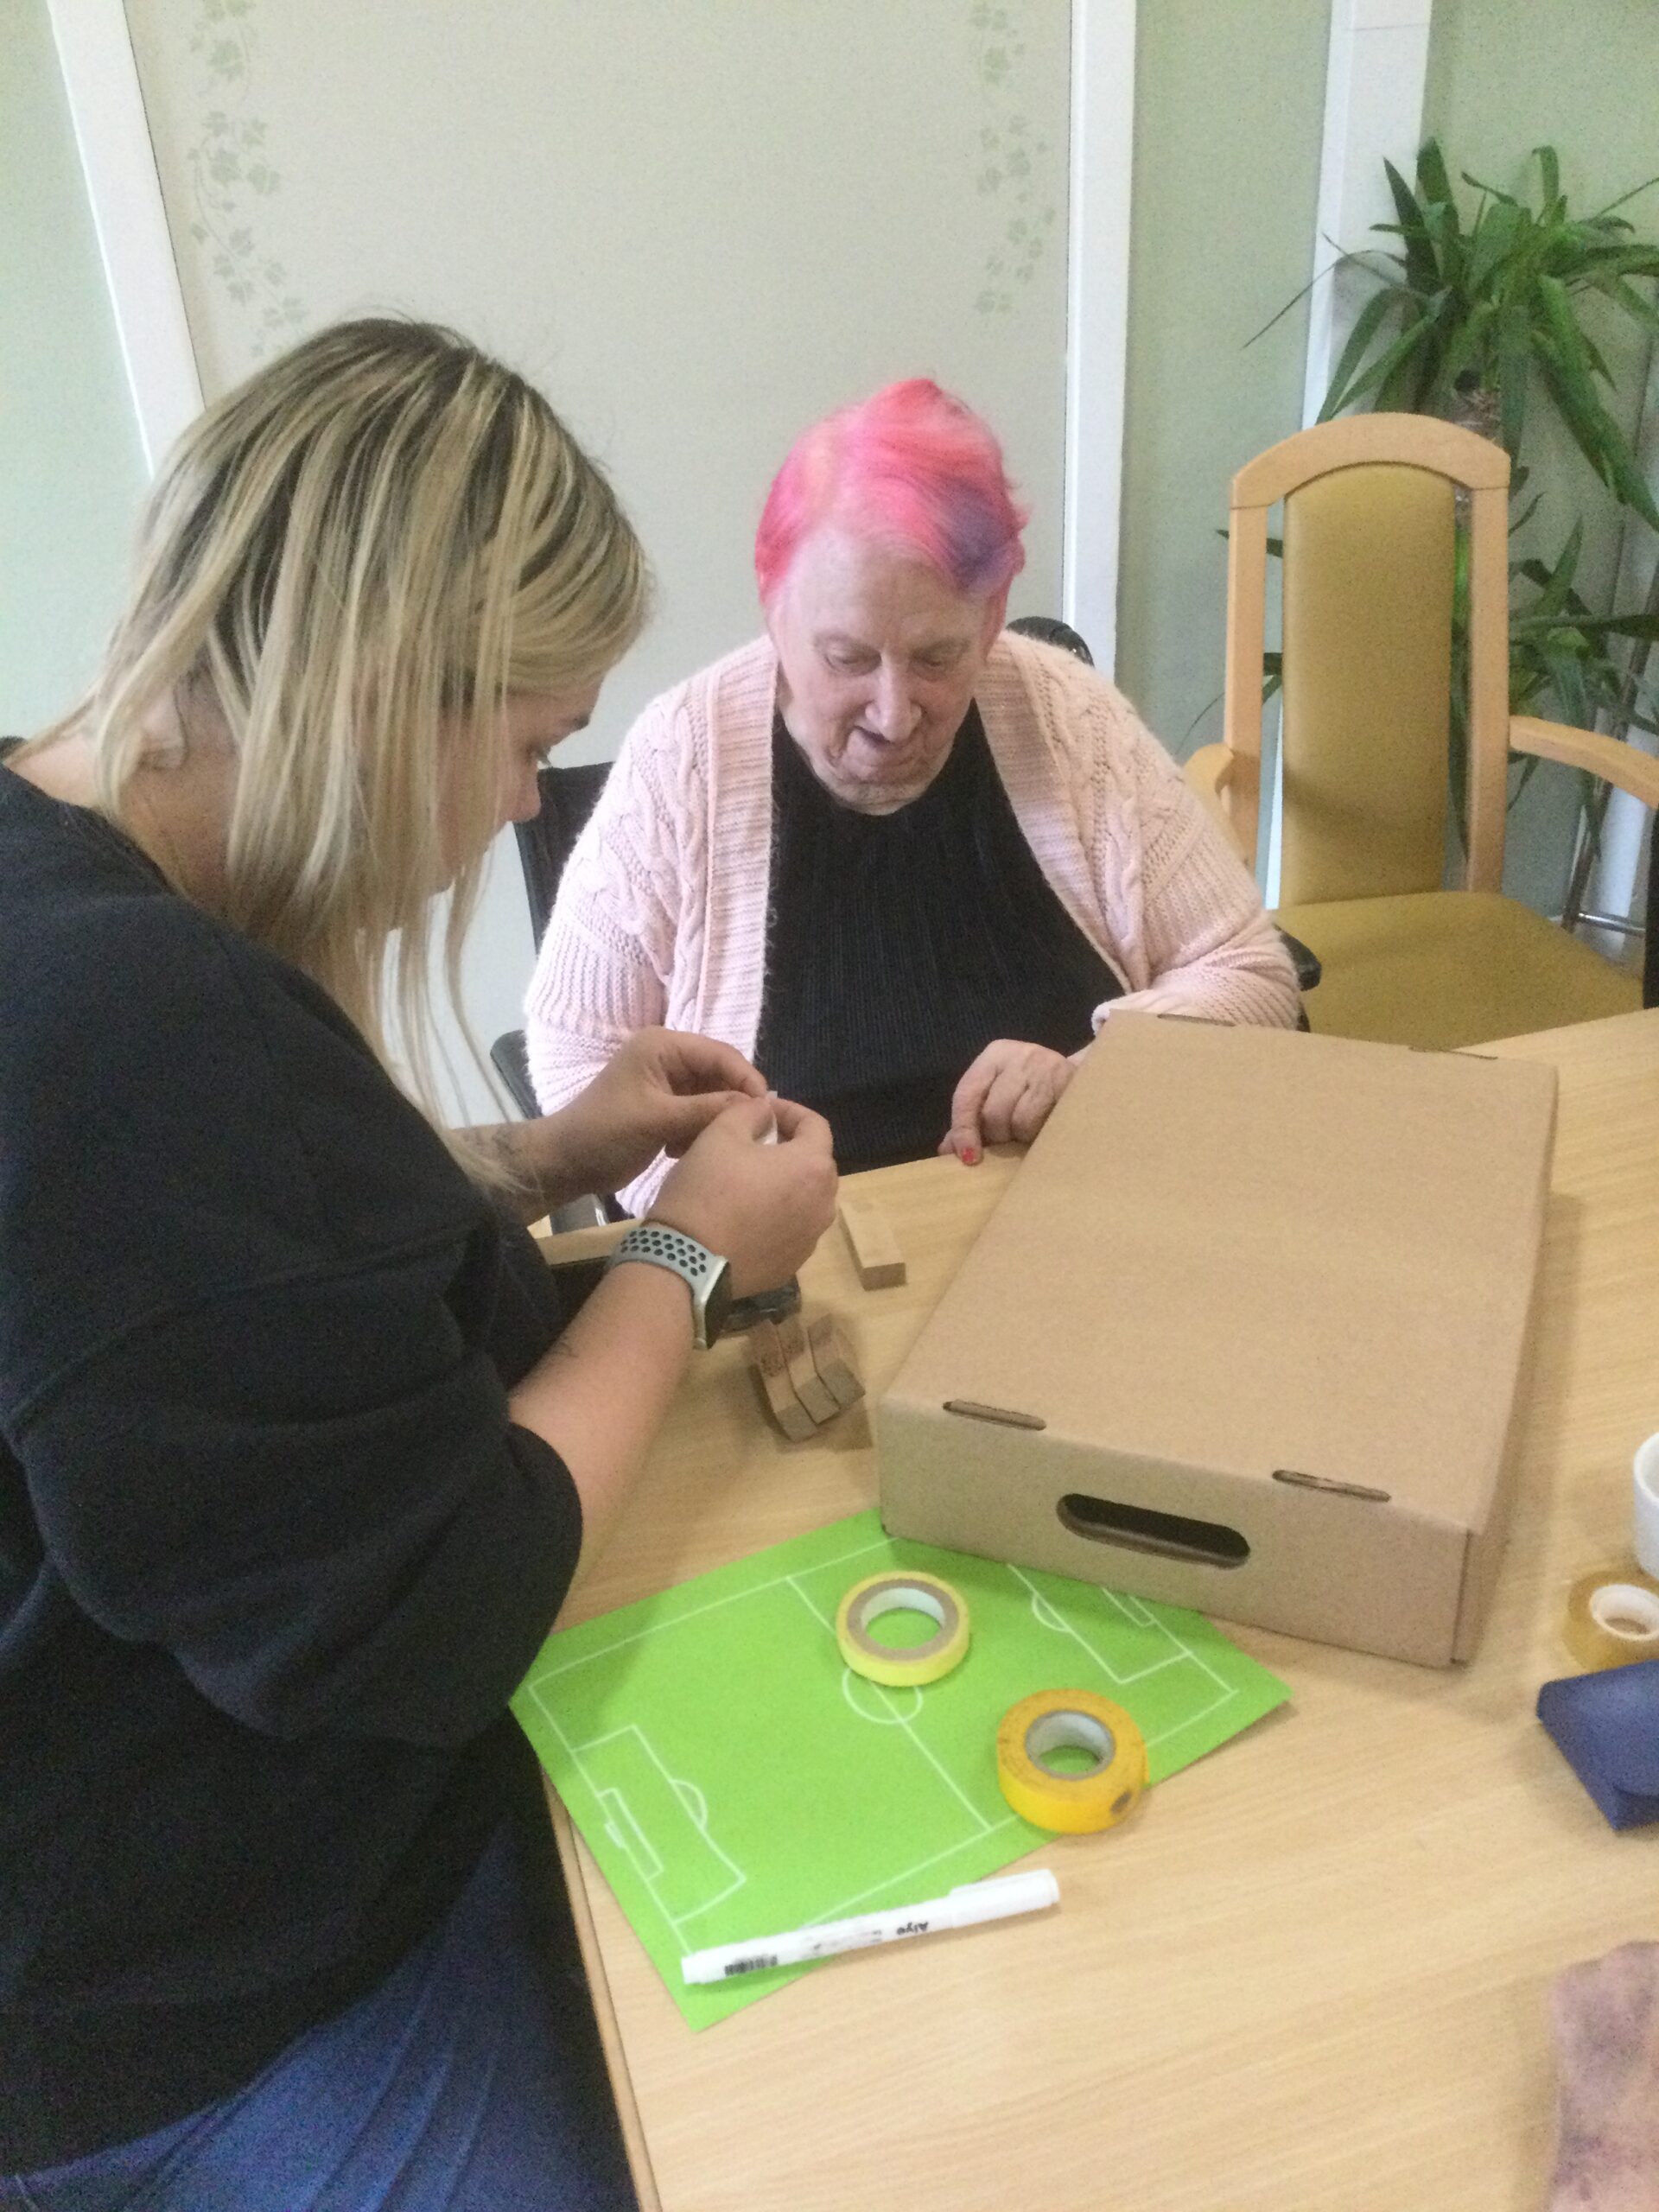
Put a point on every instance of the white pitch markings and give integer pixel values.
(839, 1910)
(1134, 1609)
(674, 1620)
(648, 1865)
(615, 1808)
(612, 1801)
(944, 1773)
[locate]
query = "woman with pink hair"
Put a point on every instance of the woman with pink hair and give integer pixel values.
(904, 861)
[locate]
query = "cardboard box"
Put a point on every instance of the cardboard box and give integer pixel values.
(1246, 1333)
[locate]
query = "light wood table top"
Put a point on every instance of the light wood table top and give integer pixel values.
(1310, 1976)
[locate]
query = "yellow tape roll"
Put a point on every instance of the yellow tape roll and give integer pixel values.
(1070, 1804)
(909, 1668)
(1612, 1617)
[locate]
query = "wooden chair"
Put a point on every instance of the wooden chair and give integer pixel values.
(1368, 550)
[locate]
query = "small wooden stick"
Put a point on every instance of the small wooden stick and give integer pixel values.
(566, 1247)
(766, 1354)
(875, 1252)
(834, 1361)
(815, 1395)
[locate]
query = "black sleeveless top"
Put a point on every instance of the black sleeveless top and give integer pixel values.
(899, 945)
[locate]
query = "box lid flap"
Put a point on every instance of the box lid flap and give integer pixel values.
(1259, 1251)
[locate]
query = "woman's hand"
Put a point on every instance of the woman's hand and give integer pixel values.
(658, 1094)
(1005, 1097)
(761, 1205)
(598, 1395)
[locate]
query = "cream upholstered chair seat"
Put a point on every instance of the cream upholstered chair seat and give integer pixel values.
(1443, 969)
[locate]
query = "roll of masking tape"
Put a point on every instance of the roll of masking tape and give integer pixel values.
(1612, 1617)
(902, 1667)
(1646, 1473)
(1070, 1799)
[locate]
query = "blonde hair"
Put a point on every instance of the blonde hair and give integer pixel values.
(355, 556)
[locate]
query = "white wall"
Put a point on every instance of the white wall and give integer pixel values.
(695, 227)
(71, 472)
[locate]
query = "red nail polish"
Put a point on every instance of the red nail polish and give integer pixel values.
(969, 1158)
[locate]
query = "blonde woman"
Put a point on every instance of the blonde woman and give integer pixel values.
(294, 1475)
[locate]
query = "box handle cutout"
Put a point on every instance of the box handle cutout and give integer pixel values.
(1172, 1535)
(1324, 1482)
(974, 1411)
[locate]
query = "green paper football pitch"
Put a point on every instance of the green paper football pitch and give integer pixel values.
(733, 1778)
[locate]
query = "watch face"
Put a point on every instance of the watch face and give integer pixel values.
(717, 1303)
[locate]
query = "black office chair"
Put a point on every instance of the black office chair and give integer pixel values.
(1048, 630)
(569, 796)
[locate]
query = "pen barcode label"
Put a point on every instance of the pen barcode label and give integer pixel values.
(752, 1964)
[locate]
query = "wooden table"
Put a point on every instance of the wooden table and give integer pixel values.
(1310, 1976)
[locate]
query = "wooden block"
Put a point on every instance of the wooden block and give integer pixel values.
(566, 1248)
(766, 1354)
(875, 1252)
(834, 1361)
(814, 1394)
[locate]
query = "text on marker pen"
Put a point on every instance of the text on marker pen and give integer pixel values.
(966, 1907)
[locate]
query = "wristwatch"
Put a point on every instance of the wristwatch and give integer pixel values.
(709, 1276)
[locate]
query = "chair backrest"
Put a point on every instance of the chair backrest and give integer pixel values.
(1049, 630)
(569, 796)
(1369, 547)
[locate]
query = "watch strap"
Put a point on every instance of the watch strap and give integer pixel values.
(703, 1271)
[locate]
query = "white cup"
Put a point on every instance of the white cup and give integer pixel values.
(1645, 1470)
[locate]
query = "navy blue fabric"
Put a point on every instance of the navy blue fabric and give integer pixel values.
(460, 2085)
(1606, 1727)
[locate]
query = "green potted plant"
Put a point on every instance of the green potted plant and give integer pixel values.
(1469, 317)
(1465, 317)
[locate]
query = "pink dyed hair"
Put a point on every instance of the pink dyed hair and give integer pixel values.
(910, 465)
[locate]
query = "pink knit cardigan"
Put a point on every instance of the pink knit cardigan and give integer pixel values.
(661, 916)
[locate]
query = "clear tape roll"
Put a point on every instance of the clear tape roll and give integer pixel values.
(906, 1668)
(1612, 1618)
(1645, 1473)
(1071, 1803)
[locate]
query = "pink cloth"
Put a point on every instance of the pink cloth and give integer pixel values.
(661, 916)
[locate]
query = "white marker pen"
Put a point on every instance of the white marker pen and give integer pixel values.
(964, 1908)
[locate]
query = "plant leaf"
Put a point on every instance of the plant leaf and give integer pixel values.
(1514, 370)
(1465, 350)
(1602, 213)
(1433, 182)
(1367, 323)
(1401, 350)
(1506, 199)
(1422, 271)
(1559, 582)
(1519, 522)
(1645, 626)
(1598, 437)
(1493, 241)
(1624, 295)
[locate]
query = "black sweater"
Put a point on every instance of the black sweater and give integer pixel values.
(899, 945)
(272, 1557)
